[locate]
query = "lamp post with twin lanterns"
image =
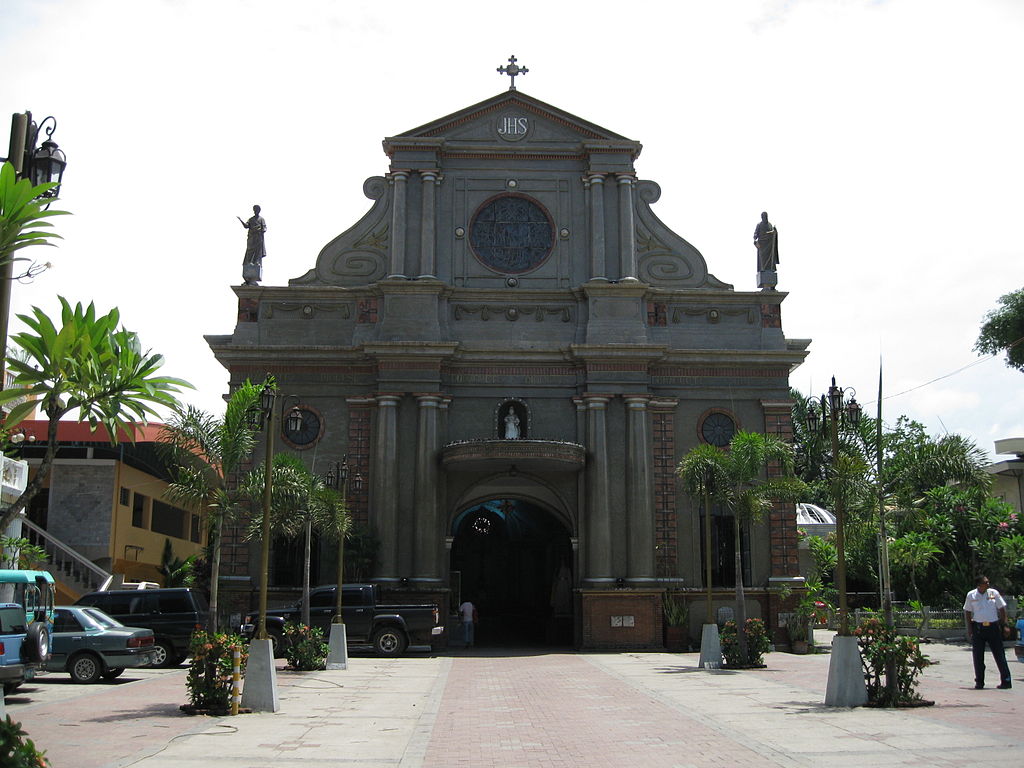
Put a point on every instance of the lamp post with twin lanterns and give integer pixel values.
(833, 412)
(40, 164)
(337, 477)
(260, 692)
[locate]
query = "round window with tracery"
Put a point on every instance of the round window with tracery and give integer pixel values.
(718, 429)
(511, 234)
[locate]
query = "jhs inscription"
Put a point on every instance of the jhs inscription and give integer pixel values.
(513, 127)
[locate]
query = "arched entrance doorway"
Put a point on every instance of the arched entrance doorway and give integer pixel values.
(514, 561)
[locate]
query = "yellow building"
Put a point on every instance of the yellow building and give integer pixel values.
(102, 510)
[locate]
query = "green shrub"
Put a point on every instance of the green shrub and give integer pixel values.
(211, 669)
(758, 644)
(306, 650)
(880, 646)
(675, 609)
(17, 751)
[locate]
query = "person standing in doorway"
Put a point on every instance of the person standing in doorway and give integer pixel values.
(469, 618)
(985, 616)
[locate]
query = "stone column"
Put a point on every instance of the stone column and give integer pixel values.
(427, 530)
(385, 486)
(627, 248)
(427, 223)
(398, 223)
(595, 183)
(597, 523)
(639, 493)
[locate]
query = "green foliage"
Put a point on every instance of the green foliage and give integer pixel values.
(757, 644)
(29, 555)
(23, 215)
(211, 668)
(1003, 329)
(205, 454)
(736, 480)
(675, 608)
(89, 367)
(306, 650)
(17, 751)
(176, 572)
(825, 556)
(881, 646)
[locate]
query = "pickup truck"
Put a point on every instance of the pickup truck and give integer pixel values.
(390, 629)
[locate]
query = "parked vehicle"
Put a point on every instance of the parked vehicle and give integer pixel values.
(172, 614)
(89, 645)
(26, 605)
(388, 628)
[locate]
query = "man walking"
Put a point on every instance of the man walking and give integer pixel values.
(985, 616)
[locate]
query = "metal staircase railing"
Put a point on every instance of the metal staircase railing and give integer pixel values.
(77, 571)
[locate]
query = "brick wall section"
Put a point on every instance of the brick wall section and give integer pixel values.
(359, 459)
(778, 418)
(666, 540)
(598, 608)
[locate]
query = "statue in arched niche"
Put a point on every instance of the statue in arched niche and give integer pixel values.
(511, 425)
(512, 420)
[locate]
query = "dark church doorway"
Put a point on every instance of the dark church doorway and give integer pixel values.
(514, 562)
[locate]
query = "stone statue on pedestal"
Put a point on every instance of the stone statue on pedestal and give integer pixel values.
(766, 240)
(255, 247)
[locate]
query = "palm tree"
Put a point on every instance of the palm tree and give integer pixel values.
(301, 502)
(914, 551)
(207, 453)
(89, 367)
(734, 480)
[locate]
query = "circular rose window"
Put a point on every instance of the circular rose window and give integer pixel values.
(718, 429)
(511, 234)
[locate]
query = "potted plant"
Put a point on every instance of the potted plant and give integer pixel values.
(796, 626)
(677, 614)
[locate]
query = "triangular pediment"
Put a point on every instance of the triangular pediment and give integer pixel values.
(512, 119)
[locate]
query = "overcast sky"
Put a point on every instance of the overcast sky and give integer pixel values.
(883, 138)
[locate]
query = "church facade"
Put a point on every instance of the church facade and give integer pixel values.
(512, 352)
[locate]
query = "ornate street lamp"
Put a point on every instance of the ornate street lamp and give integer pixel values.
(337, 477)
(260, 691)
(845, 686)
(836, 414)
(40, 164)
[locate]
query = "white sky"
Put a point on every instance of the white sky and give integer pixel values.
(883, 138)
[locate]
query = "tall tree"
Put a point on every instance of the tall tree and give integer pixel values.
(1003, 329)
(207, 453)
(301, 503)
(89, 367)
(741, 486)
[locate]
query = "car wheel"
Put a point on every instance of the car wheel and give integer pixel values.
(110, 674)
(37, 642)
(85, 668)
(389, 641)
(164, 656)
(11, 687)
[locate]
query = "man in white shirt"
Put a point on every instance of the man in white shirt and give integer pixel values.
(468, 612)
(985, 616)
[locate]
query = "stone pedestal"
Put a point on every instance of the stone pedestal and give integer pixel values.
(260, 691)
(846, 686)
(710, 647)
(337, 656)
(252, 273)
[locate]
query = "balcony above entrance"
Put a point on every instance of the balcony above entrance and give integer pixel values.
(524, 455)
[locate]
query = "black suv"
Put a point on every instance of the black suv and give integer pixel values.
(172, 614)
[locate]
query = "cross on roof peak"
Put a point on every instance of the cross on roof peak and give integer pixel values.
(512, 70)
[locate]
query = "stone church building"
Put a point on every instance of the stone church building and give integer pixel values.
(514, 352)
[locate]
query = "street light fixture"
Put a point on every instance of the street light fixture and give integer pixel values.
(845, 686)
(337, 477)
(836, 414)
(260, 691)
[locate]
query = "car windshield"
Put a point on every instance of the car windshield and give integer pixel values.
(101, 619)
(12, 620)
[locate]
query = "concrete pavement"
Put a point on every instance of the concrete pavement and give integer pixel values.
(536, 708)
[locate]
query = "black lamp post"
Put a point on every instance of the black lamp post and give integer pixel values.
(835, 414)
(265, 417)
(39, 165)
(337, 477)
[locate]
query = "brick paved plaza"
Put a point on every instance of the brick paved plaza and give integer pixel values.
(497, 708)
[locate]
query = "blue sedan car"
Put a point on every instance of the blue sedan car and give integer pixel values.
(89, 644)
